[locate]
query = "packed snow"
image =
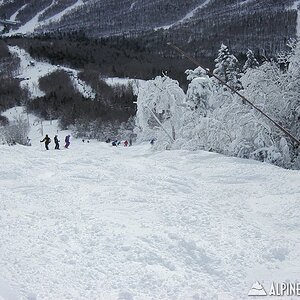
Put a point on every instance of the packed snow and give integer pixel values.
(31, 71)
(102, 222)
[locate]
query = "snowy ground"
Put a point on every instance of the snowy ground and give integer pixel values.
(97, 222)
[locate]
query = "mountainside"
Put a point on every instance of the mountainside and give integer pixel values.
(263, 26)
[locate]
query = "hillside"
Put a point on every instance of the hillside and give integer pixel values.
(263, 26)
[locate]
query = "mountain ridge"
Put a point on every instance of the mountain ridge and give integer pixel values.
(242, 24)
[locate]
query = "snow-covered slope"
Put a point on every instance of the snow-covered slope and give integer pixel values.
(32, 70)
(13, 17)
(37, 18)
(32, 24)
(188, 16)
(98, 222)
(57, 17)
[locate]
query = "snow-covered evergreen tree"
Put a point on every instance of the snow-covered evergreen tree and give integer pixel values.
(226, 67)
(251, 62)
(199, 91)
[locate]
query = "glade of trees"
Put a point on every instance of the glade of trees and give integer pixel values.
(112, 106)
(210, 117)
(11, 93)
(113, 56)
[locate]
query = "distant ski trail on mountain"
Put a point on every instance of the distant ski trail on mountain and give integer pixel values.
(188, 16)
(58, 16)
(31, 25)
(13, 17)
(192, 13)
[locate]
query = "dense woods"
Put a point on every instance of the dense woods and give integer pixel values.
(114, 56)
(10, 91)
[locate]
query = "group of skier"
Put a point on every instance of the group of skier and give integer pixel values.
(117, 143)
(47, 141)
(114, 143)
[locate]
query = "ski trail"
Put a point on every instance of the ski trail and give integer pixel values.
(296, 7)
(188, 16)
(192, 13)
(132, 5)
(98, 222)
(246, 2)
(58, 16)
(13, 17)
(31, 25)
(32, 70)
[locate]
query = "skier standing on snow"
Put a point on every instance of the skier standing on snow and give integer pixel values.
(47, 141)
(126, 143)
(56, 141)
(67, 141)
(28, 141)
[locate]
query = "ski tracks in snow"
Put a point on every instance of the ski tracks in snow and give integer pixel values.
(99, 222)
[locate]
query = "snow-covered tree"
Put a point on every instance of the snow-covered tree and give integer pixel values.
(251, 62)
(226, 67)
(199, 91)
(284, 57)
(215, 119)
(159, 110)
(16, 132)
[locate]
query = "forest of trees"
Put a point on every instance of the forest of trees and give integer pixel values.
(11, 93)
(62, 101)
(263, 26)
(113, 56)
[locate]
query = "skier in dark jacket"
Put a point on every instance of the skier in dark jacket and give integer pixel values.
(67, 141)
(47, 141)
(56, 141)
